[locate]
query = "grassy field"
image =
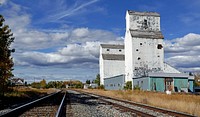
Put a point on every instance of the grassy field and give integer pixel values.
(179, 102)
(26, 91)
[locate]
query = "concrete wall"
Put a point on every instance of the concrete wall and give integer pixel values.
(114, 83)
(101, 67)
(113, 68)
(146, 54)
(110, 68)
(141, 44)
(128, 57)
(134, 21)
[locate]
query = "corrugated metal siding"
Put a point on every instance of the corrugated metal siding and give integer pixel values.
(113, 57)
(143, 83)
(180, 83)
(114, 83)
(112, 46)
(147, 34)
(157, 84)
(143, 13)
(191, 85)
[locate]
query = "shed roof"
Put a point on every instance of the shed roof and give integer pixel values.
(144, 13)
(112, 46)
(161, 74)
(147, 34)
(119, 57)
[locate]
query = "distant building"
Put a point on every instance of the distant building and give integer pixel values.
(86, 86)
(142, 59)
(93, 85)
(17, 81)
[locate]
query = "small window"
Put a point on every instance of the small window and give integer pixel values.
(159, 46)
(158, 56)
(139, 58)
(120, 50)
(140, 43)
(136, 49)
(145, 24)
(108, 49)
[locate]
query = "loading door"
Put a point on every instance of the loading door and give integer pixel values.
(168, 84)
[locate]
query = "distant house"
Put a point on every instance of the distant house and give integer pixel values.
(86, 86)
(17, 81)
(93, 85)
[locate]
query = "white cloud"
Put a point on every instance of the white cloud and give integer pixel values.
(82, 35)
(89, 49)
(183, 53)
(71, 10)
(3, 2)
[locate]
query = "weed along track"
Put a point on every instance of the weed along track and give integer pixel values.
(137, 109)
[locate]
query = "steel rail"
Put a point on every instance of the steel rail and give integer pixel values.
(59, 112)
(134, 112)
(18, 110)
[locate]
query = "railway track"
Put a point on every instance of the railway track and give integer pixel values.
(83, 104)
(138, 109)
(52, 105)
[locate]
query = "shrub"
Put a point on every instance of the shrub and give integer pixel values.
(128, 85)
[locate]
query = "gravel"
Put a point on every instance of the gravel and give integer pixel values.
(80, 105)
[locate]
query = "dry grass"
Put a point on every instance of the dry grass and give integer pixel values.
(25, 91)
(178, 102)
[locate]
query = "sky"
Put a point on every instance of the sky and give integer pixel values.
(59, 39)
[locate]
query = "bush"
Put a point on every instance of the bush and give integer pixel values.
(101, 87)
(136, 87)
(128, 85)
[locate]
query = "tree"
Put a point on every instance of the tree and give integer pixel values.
(43, 83)
(6, 61)
(87, 81)
(97, 80)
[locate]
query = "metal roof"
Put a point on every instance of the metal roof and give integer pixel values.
(147, 34)
(112, 46)
(143, 13)
(119, 57)
(161, 74)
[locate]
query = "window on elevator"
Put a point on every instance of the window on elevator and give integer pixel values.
(145, 24)
(159, 46)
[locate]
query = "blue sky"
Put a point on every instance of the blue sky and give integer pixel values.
(59, 39)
